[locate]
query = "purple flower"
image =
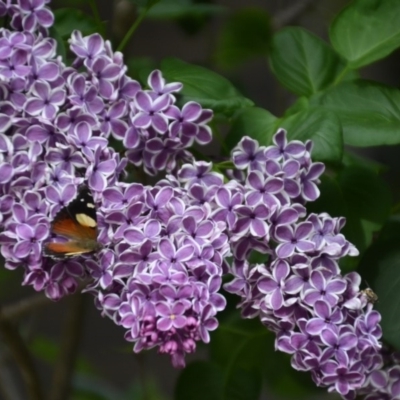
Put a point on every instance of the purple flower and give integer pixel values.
(309, 189)
(343, 377)
(293, 239)
(150, 112)
(184, 121)
(253, 220)
(30, 239)
(322, 288)
(15, 66)
(339, 342)
(82, 137)
(99, 170)
(228, 202)
(263, 190)
(104, 74)
(247, 154)
(175, 257)
(83, 95)
(46, 101)
(35, 13)
(274, 285)
(88, 48)
(113, 120)
(283, 149)
(157, 83)
(326, 318)
(200, 172)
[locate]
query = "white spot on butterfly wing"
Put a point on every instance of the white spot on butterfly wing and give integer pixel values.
(85, 220)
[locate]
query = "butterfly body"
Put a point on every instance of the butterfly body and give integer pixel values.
(76, 222)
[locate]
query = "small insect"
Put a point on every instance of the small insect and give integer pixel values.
(369, 295)
(76, 222)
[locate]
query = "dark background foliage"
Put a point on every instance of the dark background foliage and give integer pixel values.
(250, 43)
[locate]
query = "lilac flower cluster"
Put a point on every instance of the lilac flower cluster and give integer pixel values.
(165, 247)
(55, 124)
(160, 270)
(319, 316)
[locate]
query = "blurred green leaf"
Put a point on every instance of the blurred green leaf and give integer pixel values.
(90, 388)
(366, 194)
(303, 62)
(369, 112)
(241, 349)
(70, 19)
(145, 3)
(301, 104)
(366, 31)
(331, 199)
(245, 350)
(246, 34)
(380, 267)
(254, 122)
(61, 48)
(48, 350)
(139, 68)
(322, 127)
(173, 9)
(353, 159)
(363, 197)
(204, 86)
(316, 124)
(198, 381)
(149, 390)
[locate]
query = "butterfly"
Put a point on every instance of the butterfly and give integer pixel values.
(76, 222)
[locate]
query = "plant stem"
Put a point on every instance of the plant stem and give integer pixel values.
(22, 358)
(133, 28)
(64, 367)
(339, 78)
(97, 18)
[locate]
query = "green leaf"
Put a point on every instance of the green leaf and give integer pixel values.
(359, 194)
(174, 9)
(245, 350)
(380, 268)
(316, 124)
(144, 3)
(353, 159)
(322, 127)
(254, 122)
(301, 104)
(243, 384)
(303, 62)
(198, 381)
(369, 112)
(366, 194)
(48, 350)
(61, 49)
(245, 35)
(331, 199)
(204, 86)
(69, 19)
(366, 31)
(241, 348)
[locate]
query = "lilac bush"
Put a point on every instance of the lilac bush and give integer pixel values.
(165, 247)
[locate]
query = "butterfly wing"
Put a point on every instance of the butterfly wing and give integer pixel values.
(77, 222)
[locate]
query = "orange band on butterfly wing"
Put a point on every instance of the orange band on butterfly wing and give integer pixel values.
(67, 227)
(65, 249)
